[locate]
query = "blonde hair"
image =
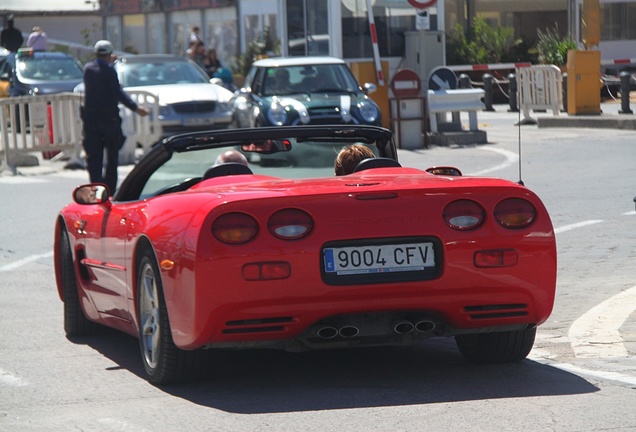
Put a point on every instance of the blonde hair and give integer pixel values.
(349, 157)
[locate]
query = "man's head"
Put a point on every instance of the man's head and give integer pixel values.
(10, 20)
(103, 48)
(231, 156)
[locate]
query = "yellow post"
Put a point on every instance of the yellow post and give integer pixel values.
(591, 23)
(365, 73)
(584, 94)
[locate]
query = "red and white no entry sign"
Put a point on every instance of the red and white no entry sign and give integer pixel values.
(422, 4)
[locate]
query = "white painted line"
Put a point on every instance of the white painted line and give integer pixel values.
(12, 380)
(511, 158)
(25, 261)
(604, 375)
(596, 333)
(630, 213)
(20, 180)
(576, 225)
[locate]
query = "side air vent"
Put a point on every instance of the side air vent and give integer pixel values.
(259, 325)
(497, 311)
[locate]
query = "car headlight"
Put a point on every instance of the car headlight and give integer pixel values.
(224, 106)
(165, 110)
(277, 114)
(368, 111)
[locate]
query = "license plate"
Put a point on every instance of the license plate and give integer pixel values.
(198, 121)
(389, 258)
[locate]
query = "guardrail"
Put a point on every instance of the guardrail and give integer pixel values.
(52, 124)
(441, 102)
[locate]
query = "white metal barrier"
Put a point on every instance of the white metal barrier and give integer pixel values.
(540, 87)
(441, 102)
(52, 123)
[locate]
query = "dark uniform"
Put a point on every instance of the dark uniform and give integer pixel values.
(102, 123)
(11, 38)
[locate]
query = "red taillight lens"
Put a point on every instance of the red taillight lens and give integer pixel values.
(463, 215)
(515, 213)
(290, 224)
(235, 228)
(496, 258)
(266, 271)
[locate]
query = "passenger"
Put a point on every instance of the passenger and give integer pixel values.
(349, 157)
(231, 156)
(282, 84)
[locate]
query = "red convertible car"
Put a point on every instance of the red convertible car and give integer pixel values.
(189, 256)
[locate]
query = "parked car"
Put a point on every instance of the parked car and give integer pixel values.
(188, 101)
(190, 257)
(301, 91)
(30, 72)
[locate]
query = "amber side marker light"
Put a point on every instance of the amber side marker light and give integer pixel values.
(496, 258)
(266, 271)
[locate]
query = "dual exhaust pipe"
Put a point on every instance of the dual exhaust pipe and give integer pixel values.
(400, 327)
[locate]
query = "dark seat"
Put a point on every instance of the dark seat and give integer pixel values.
(227, 169)
(378, 162)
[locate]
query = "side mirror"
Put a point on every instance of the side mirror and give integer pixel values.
(445, 171)
(369, 88)
(94, 193)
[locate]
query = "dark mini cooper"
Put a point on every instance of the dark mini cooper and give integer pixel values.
(303, 91)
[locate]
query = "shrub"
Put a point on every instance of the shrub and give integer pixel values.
(552, 48)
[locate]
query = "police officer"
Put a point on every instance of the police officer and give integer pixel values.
(100, 115)
(11, 38)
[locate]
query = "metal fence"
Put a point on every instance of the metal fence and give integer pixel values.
(51, 124)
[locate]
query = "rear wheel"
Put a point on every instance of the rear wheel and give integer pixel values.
(163, 361)
(75, 322)
(500, 347)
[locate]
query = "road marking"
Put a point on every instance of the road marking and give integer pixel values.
(24, 261)
(604, 375)
(20, 180)
(511, 158)
(12, 380)
(576, 225)
(596, 333)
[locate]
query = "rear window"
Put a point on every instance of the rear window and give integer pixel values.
(49, 69)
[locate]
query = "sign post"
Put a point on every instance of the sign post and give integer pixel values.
(376, 52)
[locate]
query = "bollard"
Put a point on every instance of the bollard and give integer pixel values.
(488, 88)
(565, 91)
(464, 82)
(512, 93)
(625, 87)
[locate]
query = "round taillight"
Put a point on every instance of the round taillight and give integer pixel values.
(515, 213)
(463, 215)
(235, 228)
(290, 224)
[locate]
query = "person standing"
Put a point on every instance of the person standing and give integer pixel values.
(11, 38)
(37, 39)
(100, 116)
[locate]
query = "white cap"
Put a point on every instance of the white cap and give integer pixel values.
(103, 47)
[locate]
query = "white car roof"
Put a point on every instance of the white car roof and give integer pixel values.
(297, 61)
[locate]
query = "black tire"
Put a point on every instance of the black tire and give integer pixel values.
(163, 361)
(75, 322)
(500, 347)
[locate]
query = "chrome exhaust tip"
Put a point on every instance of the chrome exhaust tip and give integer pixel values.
(403, 327)
(425, 326)
(327, 332)
(348, 331)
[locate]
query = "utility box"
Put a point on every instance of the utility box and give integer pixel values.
(584, 88)
(424, 51)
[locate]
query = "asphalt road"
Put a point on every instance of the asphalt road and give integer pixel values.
(581, 375)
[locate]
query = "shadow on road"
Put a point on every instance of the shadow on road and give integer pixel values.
(268, 381)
